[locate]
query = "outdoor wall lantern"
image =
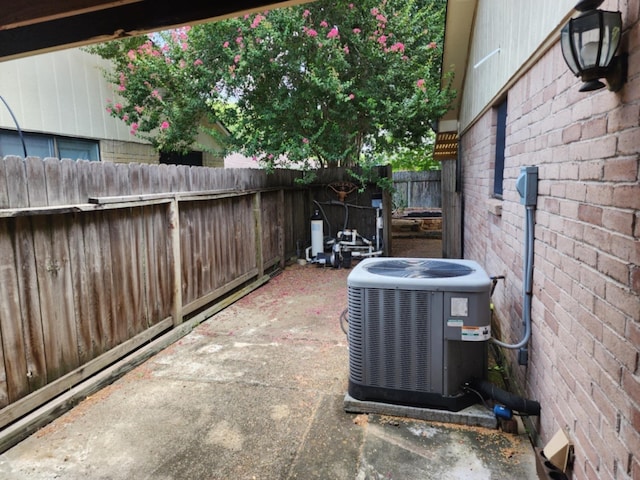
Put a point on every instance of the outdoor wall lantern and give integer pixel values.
(589, 43)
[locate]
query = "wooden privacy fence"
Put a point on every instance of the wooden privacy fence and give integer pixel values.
(98, 259)
(417, 189)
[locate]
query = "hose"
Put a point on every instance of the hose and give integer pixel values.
(527, 289)
(510, 400)
(344, 321)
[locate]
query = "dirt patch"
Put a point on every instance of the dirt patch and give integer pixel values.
(416, 247)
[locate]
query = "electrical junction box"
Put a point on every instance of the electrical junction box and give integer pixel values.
(418, 330)
(527, 186)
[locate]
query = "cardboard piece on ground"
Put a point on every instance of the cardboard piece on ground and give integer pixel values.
(557, 450)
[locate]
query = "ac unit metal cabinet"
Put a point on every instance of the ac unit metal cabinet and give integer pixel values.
(418, 329)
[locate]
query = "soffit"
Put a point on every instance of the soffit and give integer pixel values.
(39, 26)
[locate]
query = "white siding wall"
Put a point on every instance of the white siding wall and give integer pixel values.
(518, 28)
(61, 93)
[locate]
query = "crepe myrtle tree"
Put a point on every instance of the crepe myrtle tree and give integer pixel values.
(327, 83)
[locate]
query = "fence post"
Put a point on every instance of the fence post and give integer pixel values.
(174, 239)
(281, 235)
(257, 218)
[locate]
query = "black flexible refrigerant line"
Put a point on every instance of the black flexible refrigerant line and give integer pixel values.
(510, 400)
(15, 120)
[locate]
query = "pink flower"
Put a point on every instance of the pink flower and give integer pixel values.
(351, 6)
(197, 62)
(134, 128)
(374, 11)
(156, 94)
(256, 21)
(239, 40)
(184, 46)
(131, 54)
(138, 109)
(351, 96)
(382, 39)
(225, 45)
(121, 88)
(118, 107)
(306, 13)
(397, 47)
(109, 110)
(381, 18)
(420, 84)
(182, 63)
(324, 24)
(305, 140)
(432, 45)
(164, 125)
(311, 32)
(356, 31)
(333, 33)
(346, 49)
(125, 117)
(236, 59)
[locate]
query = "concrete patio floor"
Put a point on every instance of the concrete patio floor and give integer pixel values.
(256, 392)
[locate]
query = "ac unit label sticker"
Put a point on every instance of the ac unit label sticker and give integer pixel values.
(459, 307)
(475, 334)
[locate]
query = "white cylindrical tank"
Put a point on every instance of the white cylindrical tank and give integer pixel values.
(317, 234)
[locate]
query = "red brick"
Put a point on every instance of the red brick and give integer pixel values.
(615, 456)
(591, 149)
(625, 248)
(623, 117)
(614, 268)
(635, 280)
(594, 281)
(594, 128)
(592, 170)
(586, 254)
(608, 363)
(613, 318)
(628, 141)
(624, 352)
(620, 221)
(590, 214)
(572, 133)
(624, 300)
(630, 432)
(631, 385)
(627, 196)
(624, 169)
(600, 193)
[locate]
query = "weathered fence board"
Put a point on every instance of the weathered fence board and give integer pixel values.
(96, 258)
(417, 189)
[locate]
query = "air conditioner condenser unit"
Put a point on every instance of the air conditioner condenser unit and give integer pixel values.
(418, 330)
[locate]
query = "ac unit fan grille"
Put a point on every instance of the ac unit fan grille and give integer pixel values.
(390, 338)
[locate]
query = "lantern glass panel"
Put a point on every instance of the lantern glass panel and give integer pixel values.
(612, 27)
(567, 53)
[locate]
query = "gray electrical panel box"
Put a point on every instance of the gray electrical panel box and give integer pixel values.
(527, 186)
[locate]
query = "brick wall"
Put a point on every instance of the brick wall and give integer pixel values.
(585, 347)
